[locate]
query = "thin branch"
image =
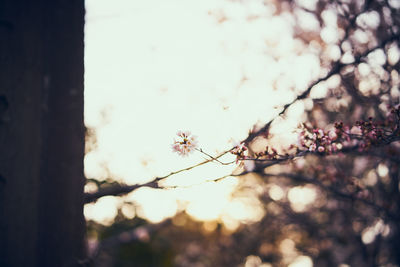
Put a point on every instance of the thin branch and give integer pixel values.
(118, 190)
(214, 158)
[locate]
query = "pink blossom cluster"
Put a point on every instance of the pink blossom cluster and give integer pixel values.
(367, 133)
(318, 140)
(362, 135)
(240, 151)
(268, 153)
(185, 144)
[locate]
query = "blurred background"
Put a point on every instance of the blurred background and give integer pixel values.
(222, 69)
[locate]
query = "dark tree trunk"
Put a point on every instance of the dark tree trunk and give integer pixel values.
(41, 133)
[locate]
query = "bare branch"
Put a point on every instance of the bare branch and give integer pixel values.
(118, 190)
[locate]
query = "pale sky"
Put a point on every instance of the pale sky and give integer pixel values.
(156, 67)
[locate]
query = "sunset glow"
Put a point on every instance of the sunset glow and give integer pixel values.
(154, 67)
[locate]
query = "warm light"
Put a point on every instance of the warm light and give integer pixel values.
(300, 197)
(288, 250)
(382, 170)
(103, 211)
(302, 261)
(287, 245)
(276, 192)
(393, 54)
(245, 209)
(128, 210)
(210, 226)
(145, 80)
(255, 261)
(369, 234)
(208, 201)
(154, 205)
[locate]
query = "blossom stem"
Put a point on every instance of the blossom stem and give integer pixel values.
(213, 158)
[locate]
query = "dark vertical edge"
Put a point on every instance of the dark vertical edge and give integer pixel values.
(20, 144)
(61, 221)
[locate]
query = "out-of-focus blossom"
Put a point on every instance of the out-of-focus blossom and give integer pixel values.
(249, 165)
(185, 144)
(239, 150)
(333, 135)
(312, 148)
(356, 130)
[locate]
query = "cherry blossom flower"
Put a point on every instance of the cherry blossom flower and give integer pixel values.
(185, 144)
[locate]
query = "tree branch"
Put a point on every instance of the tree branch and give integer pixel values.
(337, 67)
(117, 190)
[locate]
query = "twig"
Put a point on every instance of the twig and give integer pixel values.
(215, 159)
(118, 190)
